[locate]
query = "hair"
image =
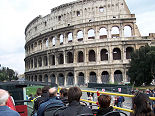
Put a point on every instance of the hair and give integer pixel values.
(45, 89)
(74, 94)
(52, 92)
(39, 91)
(4, 95)
(141, 104)
(104, 101)
(64, 92)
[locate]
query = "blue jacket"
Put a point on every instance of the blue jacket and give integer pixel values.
(54, 101)
(6, 111)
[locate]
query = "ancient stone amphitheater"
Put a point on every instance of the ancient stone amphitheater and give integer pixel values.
(81, 42)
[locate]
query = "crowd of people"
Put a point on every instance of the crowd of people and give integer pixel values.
(69, 99)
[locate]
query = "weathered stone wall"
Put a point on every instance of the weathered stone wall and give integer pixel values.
(83, 41)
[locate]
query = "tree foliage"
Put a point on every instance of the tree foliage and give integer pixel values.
(142, 66)
(7, 74)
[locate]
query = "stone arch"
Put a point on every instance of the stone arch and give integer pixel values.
(61, 59)
(53, 78)
(91, 34)
(105, 77)
(81, 80)
(46, 43)
(70, 79)
(80, 56)
(104, 55)
(61, 37)
(61, 79)
(53, 41)
(79, 35)
(129, 50)
(70, 37)
(45, 78)
(115, 32)
(40, 44)
(116, 54)
(31, 78)
(92, 77)
(127, 31)
(92, 56)
(52, 59)
(45, 61)
(35, 46)
(69, 57)
(40, 61)
(35, 62)
(103, 33)
(118, 76)
(35, 78)
(31, 63)
(40, 78)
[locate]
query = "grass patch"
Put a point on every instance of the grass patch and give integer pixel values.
(145, 87)
(32, 90)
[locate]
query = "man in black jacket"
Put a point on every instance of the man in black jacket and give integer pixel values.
(104, 104)
(75, 108)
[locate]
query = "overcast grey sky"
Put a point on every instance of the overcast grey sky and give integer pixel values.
(16, 14)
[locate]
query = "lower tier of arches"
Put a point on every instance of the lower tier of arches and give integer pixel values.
(80, 76)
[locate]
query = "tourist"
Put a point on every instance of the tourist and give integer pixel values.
(64, 95)
(5, 110)
(104, 105)
(44, 97)
(53, 101)
(75, 108)
(141, 105)
(36, 101)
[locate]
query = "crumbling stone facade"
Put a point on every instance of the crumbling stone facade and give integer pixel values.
(81, 42)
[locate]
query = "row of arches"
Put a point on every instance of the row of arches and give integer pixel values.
(61, 80)
(60, 58)
(68, 37)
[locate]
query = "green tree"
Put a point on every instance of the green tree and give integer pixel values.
(7, 74)
(142, 66)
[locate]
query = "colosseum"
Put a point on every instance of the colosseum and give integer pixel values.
(82, 42)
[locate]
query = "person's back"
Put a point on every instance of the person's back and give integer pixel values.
(75, 108)
(44, 97)
(104, 104)
(53, 101)
(64, 95)
(5, 110)
(141, 105)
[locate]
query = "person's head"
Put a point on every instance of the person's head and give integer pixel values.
(141, 104)
(74, 94)
(104, 101)
(4, 95)
(63, 92)
(45, 89)
(38, 92)
(52, 92)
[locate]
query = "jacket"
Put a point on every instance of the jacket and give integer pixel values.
(54, 101)
(75, 108)
(6, 111)
(102, 111)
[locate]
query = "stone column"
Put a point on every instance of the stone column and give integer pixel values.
(56, 58)
(75, 78)
(98, 77)
(64, 55)
(97, 56)
(110, 55)
(109, 32)
(112, 76)
(97, 33)
(85, 35)
(48, 59)
(86, 77)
